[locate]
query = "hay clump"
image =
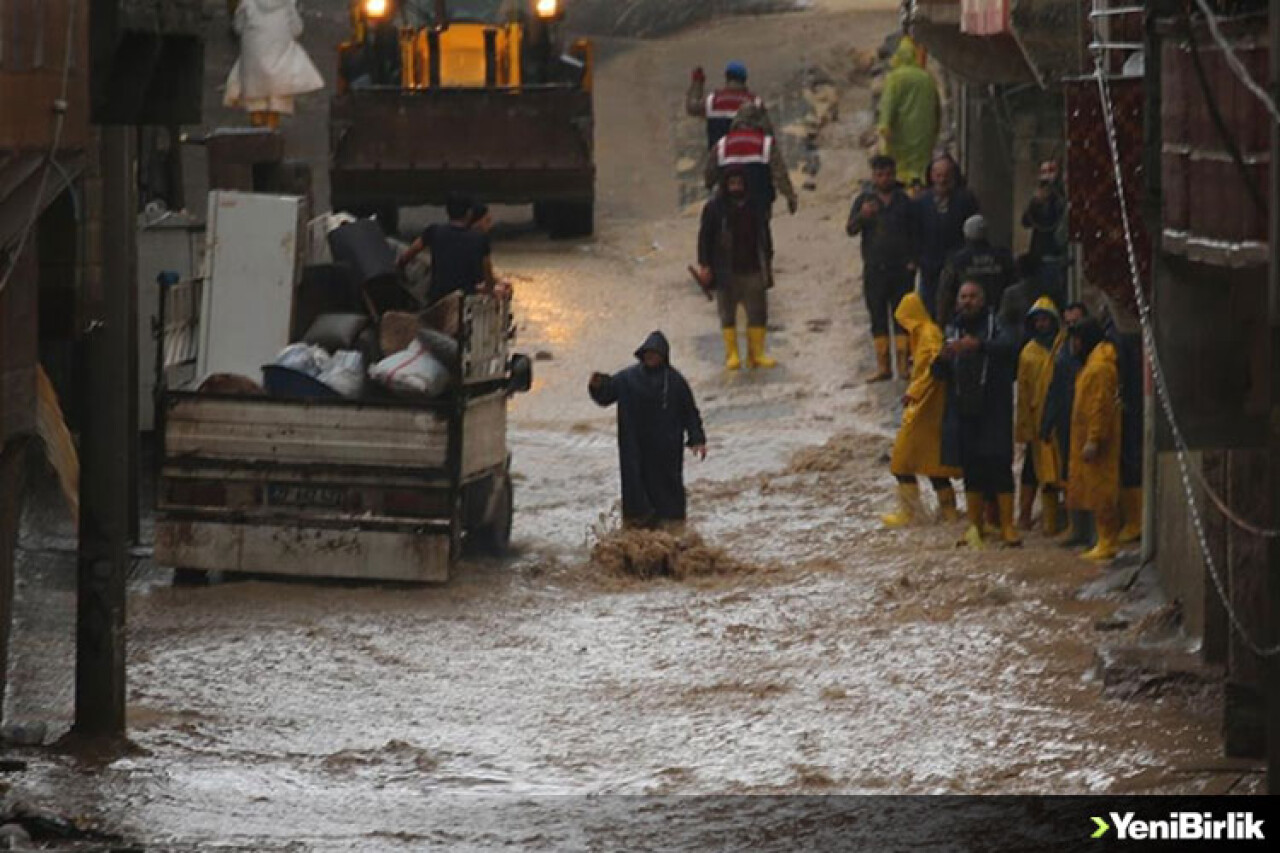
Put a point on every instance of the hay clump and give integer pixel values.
(647, 554)
(841, 452)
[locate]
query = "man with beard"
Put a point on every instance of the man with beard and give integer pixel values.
(732, 258)
(881, 214)
(978, 364)
(938, 217)
(750, 145)
(656, 412)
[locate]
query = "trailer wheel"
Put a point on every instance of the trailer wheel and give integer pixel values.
(543, 215)
(495, 535)
(572, 219)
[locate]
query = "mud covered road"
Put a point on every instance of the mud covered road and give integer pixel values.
(828, 657)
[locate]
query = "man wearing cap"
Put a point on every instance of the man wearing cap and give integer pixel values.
(723, 104)
(977, 260)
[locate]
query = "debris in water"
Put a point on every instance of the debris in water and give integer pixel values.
(840, 451)
(660, 554)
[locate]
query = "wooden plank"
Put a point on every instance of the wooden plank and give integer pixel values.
(484, 355)
(484, 434)
(245, 430)
(303, 551)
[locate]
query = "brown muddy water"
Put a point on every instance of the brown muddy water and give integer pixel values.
(822, 655)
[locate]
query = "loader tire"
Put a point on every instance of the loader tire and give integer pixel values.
(543, 214)
(572, 219)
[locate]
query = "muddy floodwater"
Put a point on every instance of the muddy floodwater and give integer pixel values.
(819, 654)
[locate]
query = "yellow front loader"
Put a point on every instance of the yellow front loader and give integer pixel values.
(480, 97)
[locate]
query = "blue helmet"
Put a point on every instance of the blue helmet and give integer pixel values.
(735, 71)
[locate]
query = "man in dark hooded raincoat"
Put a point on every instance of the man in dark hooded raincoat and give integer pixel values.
(657, 418)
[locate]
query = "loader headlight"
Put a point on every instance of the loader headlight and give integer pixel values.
(547, 8)
(377, 9)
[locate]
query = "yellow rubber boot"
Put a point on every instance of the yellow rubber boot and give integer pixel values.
(1008, 533)
(947, 506)
(1108, 529)
(1131, 509)
(904, 356)
(1052, 509)
(909, 507)
(975, 509)
(732, 361)
(883, 370)
(756, 356)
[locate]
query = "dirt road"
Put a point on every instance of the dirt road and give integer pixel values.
(837, 658)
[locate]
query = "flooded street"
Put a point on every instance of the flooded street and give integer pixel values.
(833, 656)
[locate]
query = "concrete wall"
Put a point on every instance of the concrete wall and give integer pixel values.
(1007, 137)
(1178, 555)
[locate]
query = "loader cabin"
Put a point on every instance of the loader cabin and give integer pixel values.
(459, 44)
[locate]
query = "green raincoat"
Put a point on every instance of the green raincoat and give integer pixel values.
(909, 114)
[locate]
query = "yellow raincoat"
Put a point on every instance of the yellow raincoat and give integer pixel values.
(910, 111)
(1035, 373)
(918, 447)
(1095, 417)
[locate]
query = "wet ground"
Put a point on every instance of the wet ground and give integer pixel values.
(832, 657)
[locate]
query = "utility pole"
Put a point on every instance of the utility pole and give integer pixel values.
(105, 455)
(1272, 634)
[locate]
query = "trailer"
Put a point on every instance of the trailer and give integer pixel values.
(377, 489)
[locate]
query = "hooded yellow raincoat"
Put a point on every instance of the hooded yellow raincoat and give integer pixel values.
(910, 109)
(1035, 373)
(1095, 417)
(918, 447)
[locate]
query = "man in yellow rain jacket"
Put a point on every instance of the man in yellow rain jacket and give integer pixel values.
(1093, 477)
(910, 113)
(918, 447)
(1041, 466)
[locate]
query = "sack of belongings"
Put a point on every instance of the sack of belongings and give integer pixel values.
(413, 371)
